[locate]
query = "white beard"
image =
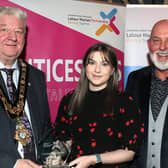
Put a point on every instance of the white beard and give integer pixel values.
(160, 63)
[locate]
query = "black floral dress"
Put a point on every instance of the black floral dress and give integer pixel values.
(94, 131)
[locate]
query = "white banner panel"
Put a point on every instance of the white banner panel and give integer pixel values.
(85, 17)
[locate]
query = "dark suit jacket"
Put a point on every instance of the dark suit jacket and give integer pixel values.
(36, 97)
(138, 86)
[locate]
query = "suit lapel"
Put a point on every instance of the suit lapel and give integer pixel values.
(12, 121)
(144, 104)
(31, 99)
(145, 95)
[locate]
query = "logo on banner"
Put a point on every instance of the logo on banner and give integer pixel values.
(111, 26)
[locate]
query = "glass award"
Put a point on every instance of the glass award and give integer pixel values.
(59, 156)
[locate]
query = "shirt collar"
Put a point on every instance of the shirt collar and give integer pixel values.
(14, 66)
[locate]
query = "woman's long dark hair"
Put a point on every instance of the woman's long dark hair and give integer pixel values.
(83, 84)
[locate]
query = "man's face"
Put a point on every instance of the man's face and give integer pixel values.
(158, 45)
(12, 38)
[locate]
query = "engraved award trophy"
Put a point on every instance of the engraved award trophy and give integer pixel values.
(59, 155)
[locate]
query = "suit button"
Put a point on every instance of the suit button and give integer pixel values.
(153, 130)
(153, 155)
(153, 143)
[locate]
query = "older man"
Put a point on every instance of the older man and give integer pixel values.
(24, 110)
(149, 87)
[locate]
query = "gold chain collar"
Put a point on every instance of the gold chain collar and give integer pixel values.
(16, 110)
(22, 134)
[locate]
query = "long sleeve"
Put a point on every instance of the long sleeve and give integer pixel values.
(62, 123)
(130, 130)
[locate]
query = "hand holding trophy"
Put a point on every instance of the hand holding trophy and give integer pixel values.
(59, 155)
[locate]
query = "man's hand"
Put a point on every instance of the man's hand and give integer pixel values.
(25, 163)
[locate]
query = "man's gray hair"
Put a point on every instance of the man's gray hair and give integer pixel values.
(8, 10)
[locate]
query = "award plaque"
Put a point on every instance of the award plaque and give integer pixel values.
(58, 156)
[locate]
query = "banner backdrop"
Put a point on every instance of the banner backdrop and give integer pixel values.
(60, 32)
(139, 21)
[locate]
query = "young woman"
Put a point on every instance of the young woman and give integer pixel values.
(103, 125)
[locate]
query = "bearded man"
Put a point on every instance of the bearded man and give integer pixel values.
(149, 87)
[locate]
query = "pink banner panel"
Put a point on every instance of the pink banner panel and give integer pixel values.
(58, 51)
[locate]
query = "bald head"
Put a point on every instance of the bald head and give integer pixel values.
(160, 26)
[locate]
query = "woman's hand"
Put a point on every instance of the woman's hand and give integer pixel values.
(113, 157)
(83, 161)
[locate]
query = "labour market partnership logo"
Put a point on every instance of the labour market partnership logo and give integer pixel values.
(111, 27)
